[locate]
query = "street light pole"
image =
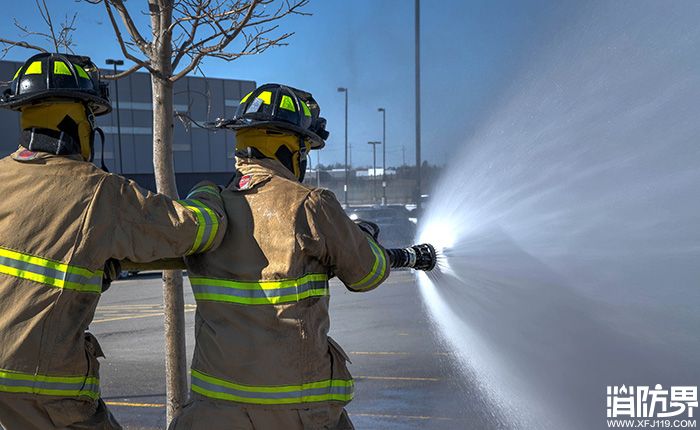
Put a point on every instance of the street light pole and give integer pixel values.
(115, 63)
(318, 169)
(383, 111)
(374, 169)
(418, 160)
(345, 189)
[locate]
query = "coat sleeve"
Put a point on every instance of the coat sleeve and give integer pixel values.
(149, 227)
(351, 254)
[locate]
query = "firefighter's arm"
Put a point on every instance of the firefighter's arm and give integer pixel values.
(164, 264)
(151, 227)
(352, 255)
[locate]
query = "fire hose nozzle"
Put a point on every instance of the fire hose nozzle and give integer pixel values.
(418, 257)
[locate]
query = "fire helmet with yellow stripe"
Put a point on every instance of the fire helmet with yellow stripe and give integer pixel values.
(279, 122)
(58, 96)
(57, 76)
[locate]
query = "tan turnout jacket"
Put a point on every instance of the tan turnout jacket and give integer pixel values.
(61, 219)
(262, 296)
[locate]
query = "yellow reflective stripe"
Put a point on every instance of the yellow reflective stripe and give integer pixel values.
(200, 225)
(260, 292)
(81, 72)
(307, 112)
(264, 285)
(65, 386)
(287, 103)
(207, 225)
(49, 272)
(243, 100)
(265, 96)
(16, 73)
(378, 269)
(60, 68)
(275, 300)
(34, 68)
(210, 233)
(321, 391)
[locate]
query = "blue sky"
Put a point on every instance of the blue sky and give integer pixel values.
(470, 51)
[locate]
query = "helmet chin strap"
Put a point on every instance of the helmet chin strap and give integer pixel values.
(96, 130)
(99, 131)
(302, 159)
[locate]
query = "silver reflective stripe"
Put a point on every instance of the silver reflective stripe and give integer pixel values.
(45, 385)
(380, 270)
(258, 293)
(329, 390)
(62, 386)
(248, 394)
(207, 226)
(51, 273)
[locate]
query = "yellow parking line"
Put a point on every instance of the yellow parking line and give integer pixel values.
(405, 417)
(127, 306)
(136, 405)
(128, 317)
(397, 378)
(393, 353)
(131, 317)
(379, 353)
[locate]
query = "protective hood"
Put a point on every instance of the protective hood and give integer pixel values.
(69, 118)
(288, 149)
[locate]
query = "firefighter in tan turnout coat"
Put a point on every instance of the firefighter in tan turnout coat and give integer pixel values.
(63, 223)
(263, 359)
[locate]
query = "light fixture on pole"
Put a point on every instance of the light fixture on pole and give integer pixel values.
(115, 63)
(345, 189)
(383, 111)
(374, 168)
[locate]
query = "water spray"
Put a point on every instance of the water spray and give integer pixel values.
(418, 257)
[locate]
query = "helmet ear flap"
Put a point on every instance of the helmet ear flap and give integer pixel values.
(319, 127)
(286, 157)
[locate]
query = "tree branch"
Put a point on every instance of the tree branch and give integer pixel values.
(222, 44)
(121, 42)
(46, 16)
(9, 44)
(123, 74)
(131, 28)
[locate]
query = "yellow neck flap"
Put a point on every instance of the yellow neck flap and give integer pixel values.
(282, 147)
(50, 115)
(265, 142)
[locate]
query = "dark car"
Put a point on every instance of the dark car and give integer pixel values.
(396, 230)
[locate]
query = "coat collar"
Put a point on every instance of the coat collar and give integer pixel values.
(253, 171)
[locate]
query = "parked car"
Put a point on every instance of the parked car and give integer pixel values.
(396, 230)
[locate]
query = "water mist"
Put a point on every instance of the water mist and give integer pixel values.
(569, 223)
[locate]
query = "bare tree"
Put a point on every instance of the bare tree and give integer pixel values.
(60, 38)
(182, 33)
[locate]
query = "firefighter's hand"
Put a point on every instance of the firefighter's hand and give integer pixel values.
(111, 273)
(368, 227)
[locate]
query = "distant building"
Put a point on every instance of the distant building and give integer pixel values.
(340, 173)
(372, 173)
(198, 153)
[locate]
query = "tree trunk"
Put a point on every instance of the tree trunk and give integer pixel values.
(173, 299)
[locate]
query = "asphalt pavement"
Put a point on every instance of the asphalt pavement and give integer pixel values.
(405, 379)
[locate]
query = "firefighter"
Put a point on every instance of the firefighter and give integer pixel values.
(263, 359)
(63, 224)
